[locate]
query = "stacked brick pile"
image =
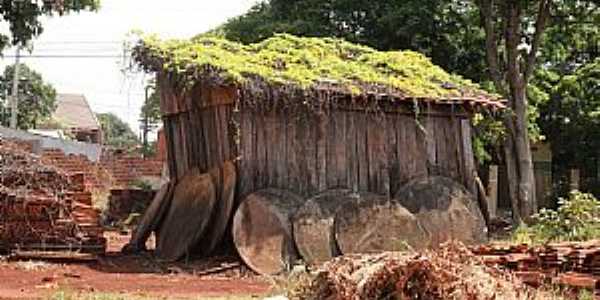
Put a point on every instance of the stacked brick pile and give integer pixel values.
(43, 208)
(571, 264)
(95, 176)
(113, 170)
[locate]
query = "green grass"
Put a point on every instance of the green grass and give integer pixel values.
(302, 62)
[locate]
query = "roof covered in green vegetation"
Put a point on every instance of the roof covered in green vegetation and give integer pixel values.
(306, 64)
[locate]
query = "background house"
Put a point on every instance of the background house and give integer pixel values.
(77, 118)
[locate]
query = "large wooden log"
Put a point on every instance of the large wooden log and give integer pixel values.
(372, 223)
(151, 219)
(188, 217)
(262, 230)
(224, 179)
(445, 209)
(313, 226)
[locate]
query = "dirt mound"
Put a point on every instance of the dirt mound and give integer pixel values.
(451, 272)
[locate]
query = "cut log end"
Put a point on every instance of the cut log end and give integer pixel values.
(371, 223)
(188, 216)
(445, 209)
(313, 226)
(262, 230)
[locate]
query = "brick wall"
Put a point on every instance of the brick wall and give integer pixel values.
(125, 169)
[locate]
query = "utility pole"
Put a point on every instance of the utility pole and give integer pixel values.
(145, 121)
(14, 108)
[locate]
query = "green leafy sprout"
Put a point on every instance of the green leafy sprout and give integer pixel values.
(305, 63)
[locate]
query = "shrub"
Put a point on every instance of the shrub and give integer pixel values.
(576, 219)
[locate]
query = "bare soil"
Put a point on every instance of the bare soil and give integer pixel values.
(139, 275)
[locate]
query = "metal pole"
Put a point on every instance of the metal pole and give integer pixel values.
(15, 90)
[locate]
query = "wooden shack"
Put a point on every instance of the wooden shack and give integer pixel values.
(307, 115)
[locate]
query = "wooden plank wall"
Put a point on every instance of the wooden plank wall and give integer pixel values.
(310, 152)
(199, 127)
(377, 152)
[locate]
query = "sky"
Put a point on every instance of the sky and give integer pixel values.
(101, 34)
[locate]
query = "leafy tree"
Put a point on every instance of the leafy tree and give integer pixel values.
(116, 132)
(23, 16)
(433, 27)
(37, 99)
(571, 117)
(150, 116)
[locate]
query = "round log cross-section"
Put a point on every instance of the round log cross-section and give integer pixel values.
(313, 226)
(224, 179)
(445, 209)
(186, 221)
(371, 223)
(262, 230)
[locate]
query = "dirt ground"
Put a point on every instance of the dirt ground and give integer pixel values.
(117, 274)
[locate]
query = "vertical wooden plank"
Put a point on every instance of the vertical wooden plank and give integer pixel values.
(292, 144)
(302, 144)
(451, 137)
(405, 142)
(218, 134)
(262, 175)
(282, 178)
(330, 150)
(180, 147)
(311, 174)
(169, 138)
(363, 157)
(430, 140)
(321, 142)
(247, 159)
(271, 140)
(457, 154)
(340, 149)
(224, 131)
(420, 155)
(208, 139)
(441, 142)
(391, 150)
(376, 153)
(351, 152)
(469, 158)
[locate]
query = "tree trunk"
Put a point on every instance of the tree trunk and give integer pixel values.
(262, 230)
(313, 226)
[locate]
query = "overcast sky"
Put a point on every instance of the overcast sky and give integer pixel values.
(101, 34)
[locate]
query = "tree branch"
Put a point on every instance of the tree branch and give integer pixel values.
(540, 26)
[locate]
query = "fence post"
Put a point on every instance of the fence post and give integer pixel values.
(574, 178)
(492, 191)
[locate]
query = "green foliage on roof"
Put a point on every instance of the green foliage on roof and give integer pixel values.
(305, 63)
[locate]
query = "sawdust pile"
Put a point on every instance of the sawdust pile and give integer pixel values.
(452, 272)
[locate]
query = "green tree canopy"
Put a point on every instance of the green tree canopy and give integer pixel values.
(23, 16)
(37, 99)
(116, 132)
(433, 27)
(571, 117)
